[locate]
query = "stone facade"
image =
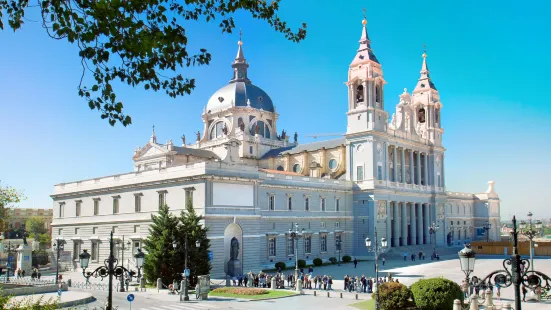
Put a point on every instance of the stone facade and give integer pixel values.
(253, 184)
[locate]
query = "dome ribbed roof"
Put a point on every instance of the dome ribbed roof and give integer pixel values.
(239, 94)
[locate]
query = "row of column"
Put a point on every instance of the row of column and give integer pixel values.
(408, 223)
(416, 173)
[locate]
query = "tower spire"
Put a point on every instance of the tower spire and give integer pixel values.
(365, 53)
(240, 64)
(153, 138)
(425, 81)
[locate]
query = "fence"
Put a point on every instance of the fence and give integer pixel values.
(27, 281)
(505, 247)
(95, 286)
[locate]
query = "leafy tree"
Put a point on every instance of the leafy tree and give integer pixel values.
(35, 226)
(191, 230)
(45, 240)
(394, 295)
(137, 42)
(159, 261)
(9, 197)
(436, 293)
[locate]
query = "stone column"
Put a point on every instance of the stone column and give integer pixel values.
(427, 179)
(411, 168)
(426, 222)
(394, 166)
(403, 160)
(418, 169)
(419, 223)
(396, 230)
(389, 224)
(366, 94)
(413, 223)
(404, 224)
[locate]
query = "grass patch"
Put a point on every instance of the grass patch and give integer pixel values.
(365, 305)
(248, 293)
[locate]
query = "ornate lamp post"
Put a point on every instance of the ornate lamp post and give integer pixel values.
(139, 257)
(530, 230)
(59, 246)
(513, 272)
(295, 235)
(487, 226)
(9, 249)
(109, 269)
(122, 247)
(186, 271)
(338, 245)
(432, 231)
(377, 249)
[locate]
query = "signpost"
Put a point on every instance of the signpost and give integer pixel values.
(186, 272)
(130, 299)
(59, 293)
(211, 256)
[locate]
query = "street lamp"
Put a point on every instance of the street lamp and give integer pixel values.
(338, 245)
(530, 230)
(467, 259)
(295, 235)
(487, 226)
(139, 257)
(58, 246)
(186, 271)
(123, 248)
(377, 249)
(432, 231)
(10, 249)
(109, 269)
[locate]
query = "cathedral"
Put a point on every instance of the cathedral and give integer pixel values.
(253, 185)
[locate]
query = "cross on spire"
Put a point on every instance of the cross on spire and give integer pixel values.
(365, 13)
(240, 34)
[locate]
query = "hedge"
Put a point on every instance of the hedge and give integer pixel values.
(318, 261)
(280, 264)
(346, 258)
(301, 263)
(436, 293)
(393, 295)
(333, 260)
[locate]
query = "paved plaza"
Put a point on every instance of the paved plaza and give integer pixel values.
(406, 272)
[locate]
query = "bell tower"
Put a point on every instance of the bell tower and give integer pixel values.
(365, 89)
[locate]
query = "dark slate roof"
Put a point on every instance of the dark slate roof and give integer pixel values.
(328, 144)
(194, 152)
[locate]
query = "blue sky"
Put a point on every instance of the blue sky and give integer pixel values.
(489, 59)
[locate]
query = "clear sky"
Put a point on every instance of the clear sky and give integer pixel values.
(489, 60)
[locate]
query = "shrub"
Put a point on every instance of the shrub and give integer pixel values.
(301, 263)
(280, 264)
(435, 293)
(346, 258)
(394, 295)
(241, 291)
(318, 261)
(333, 260)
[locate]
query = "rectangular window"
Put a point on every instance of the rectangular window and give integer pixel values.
(337, 224)
(338, 240)
(451, 222)
(76, 231)
(308, 244)
(307, 204)
(322, 224)
(60, 232)
(76, 249)
(323, 243)
(136, 229)
(138, 203)
(379, 172)
(61, 209)
(95, 251)
(439, 181)
(115, 229)
(360, 173)
(137, 244)
(290, 246)
(337, 204)
(94, 230)
(189, 195)
(271, 202)
(322, 203)
(290, 203)
(272, 246)
(96, 206)
(115, 205)
(78, 208)
(162, 199)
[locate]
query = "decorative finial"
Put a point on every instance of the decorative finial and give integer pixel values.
(364, 21)
(424, 51)
(240, 37)
(153, 129)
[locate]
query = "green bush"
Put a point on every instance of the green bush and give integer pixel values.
(280, 264)
(394, 295)
(346, 258)
(301, 263)
(333, 260)
(318, 261)
(435, 293)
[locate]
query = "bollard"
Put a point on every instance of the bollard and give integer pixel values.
(341, 295)
(273, 283)
(474, 302)
(315, 293)
(507, 306)
(457, 304)
(356, 296)
(159, 284)
(489, 300)
(327, 294)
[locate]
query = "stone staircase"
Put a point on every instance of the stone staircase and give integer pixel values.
(398, 252)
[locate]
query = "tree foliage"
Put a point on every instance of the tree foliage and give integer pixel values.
(137, 42)
(9, 197)
(436, 293)
(27, 304)
(159, 261)
(35, 225)
(394, 295)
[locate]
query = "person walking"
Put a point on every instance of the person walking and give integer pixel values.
(412, 257)
(355, 262)
(383, 260)
(524, 291)
(405, 256)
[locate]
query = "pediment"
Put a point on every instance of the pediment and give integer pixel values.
(151, 150)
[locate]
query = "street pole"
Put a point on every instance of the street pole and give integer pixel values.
(109, 305)
(295, 240)
(515, 260)
(376, 272)
(186, 297)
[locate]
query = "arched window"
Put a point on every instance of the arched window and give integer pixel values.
(421, 115)
(332, 164)
(280, 168)
(437, 116)
(378, 94)
(241, 124)
(261, 127)
(359, 93)
(217, 130)
(296, 168)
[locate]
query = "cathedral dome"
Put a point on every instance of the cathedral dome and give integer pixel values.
(239, 94)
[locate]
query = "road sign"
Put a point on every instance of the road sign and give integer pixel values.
(130, 297)
(10, 258)
(186, 272)
(59, 292)
(211, 256)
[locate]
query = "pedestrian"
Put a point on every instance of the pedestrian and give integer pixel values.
(329, 283)
(355, 262)
(405, 256)
(345, 282)
(412, 257)
(311, 270)
(384, 260)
